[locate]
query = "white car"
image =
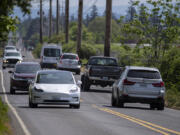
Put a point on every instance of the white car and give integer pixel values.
(54, 87)
(11, 58)
(10, 48)
(139, 84)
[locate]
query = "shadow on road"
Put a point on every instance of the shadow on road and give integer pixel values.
(128, 107)
(98, 91)
(17, 93)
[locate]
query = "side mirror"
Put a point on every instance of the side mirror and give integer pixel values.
(10, 72)
(79, 82)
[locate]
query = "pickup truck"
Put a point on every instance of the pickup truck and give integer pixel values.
(101, 71)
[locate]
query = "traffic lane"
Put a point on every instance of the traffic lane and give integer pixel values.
(168, 118)
(87, 120)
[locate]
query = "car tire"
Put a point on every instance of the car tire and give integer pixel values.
(75, 106)
(152, 106)
(160, 106)
(119, 102)
(113, 101)
(12, 91)
(4, 67)
(78, 72)
(85, 84)
(32, 105)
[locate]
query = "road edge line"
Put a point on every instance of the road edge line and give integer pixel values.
(22, 124)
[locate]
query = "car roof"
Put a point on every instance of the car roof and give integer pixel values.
(12, 51)
(102, 57)
(53, 71)
(141, 68)
(28, 63)
(51, 46)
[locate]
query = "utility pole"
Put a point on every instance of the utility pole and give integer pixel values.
(41, 23)
(50, 18)
(67, 21)
(57, 17)
(79, 34)
(108, 28)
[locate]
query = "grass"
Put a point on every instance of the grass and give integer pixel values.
(4, 120)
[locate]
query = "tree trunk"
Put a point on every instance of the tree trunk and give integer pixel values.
(57, 17)
(67, 21)
(108, 28)
(41, 23)
(50, 18)
(79, 34)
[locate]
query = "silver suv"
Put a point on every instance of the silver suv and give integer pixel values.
(139, 84)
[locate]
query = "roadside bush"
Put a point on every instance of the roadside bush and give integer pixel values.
(37, 51)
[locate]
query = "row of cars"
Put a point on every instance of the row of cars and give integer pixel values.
(129, 84)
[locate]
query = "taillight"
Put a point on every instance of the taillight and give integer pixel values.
(126, 82)
(77, 58)
(161, 84)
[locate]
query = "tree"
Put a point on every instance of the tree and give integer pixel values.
(157, 28)
(94, 12)
(7, 21)
(131, 12)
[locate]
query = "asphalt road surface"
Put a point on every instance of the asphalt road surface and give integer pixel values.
(95, 117)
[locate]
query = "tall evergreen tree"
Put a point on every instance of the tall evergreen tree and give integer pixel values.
(94, 12)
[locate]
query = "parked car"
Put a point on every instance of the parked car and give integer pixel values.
(139, 84)
(54, 87)
(22, 74)
(70, 62)
(101, 71)
(50, 55)
(11, 58)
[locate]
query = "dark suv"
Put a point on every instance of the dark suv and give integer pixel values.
(22, 74)
(101, 71)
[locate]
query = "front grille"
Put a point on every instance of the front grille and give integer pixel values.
(56, 101)
(12, 61)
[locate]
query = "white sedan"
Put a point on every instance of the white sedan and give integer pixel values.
(54, 87)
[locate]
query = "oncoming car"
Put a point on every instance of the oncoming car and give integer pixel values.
(54, 87)
(141, 85)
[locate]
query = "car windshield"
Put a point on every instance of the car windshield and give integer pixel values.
(27, 68)
(144, 74)
(12, 54)
(51, 52)
(69, 56)
(103, 62)
(55, 78)
(10, 48)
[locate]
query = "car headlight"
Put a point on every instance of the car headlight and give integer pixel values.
(20, 61)
(5, 61)
(38, 90)
(74, 90)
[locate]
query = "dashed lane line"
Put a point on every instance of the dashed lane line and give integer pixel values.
(22, 124)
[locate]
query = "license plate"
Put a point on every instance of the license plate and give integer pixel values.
(105, 78)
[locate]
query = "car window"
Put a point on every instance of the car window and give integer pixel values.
(27, 68)
(51, 52)
(10, 48)
(103, 62)
(143, 74)
(12, 54)
(55, 78)
(67, 56)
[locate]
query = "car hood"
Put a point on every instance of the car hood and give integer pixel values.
(56, 88)
(25, 75)
(12, 57)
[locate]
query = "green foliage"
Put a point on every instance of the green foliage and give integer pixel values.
(7, 21)
(3, 119)
(37, 50)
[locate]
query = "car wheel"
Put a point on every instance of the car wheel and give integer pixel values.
(160, 106)
(113, 101)
(152, 106)
(78, 72)
(75, 106)
(4, 67)
(12, 91)
(32, 105)
(119, 102)
(85, 85)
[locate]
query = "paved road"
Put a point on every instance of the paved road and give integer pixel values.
(95, 117)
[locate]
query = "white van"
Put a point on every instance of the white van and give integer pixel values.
(50, 55)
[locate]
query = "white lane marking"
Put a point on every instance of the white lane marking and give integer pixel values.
(22, 124)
